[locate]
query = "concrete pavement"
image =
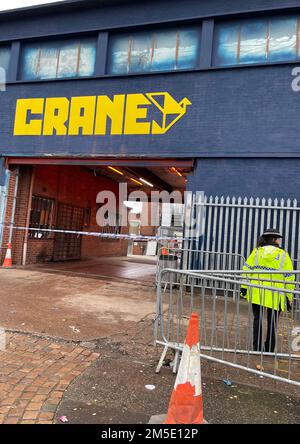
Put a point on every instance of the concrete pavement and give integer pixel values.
(82, 347)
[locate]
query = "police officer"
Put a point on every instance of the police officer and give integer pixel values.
(268, 255)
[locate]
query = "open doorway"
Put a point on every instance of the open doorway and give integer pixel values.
(63, 197)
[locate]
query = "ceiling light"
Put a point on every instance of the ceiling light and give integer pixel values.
(136, 181)
(116, 171)
(174, 170)
(145, 181)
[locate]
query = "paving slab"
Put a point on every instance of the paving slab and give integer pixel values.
(35, 374)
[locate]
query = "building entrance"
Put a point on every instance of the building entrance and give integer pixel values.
(63, 194)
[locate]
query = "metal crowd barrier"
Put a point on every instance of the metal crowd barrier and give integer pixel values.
(226, 320)
(179, 258)
(296, 264)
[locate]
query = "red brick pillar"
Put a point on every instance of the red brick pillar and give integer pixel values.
(20, 211)
(8, 212)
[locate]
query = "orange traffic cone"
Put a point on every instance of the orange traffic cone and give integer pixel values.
(186, 405)
(8, 260)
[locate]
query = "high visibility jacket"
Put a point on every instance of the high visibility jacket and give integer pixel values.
(270, 258)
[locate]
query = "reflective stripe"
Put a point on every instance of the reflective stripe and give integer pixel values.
(282, 260)
(261, 267)
(256, 257)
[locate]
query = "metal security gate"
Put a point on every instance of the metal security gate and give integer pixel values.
(68, 246)
(232, 225)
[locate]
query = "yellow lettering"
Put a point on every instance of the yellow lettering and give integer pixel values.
(133, 113)
(56, 115)
(24, 126)
(82, 115)
(98, 115)
(114, 109)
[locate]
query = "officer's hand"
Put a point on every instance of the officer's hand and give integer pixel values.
(288, 305)
(243, 292)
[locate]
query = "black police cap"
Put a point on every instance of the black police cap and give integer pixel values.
(272, 232)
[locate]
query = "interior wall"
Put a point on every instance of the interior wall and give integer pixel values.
(79, 187)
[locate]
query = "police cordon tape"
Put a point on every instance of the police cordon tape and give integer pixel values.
(134, 237)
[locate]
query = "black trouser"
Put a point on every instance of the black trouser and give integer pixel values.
(272, 316)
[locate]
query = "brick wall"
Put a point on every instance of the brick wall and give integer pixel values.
(79, 187)
(20, 211)
(259, 177)
(39, 250)
(123, 14)
(70, 185)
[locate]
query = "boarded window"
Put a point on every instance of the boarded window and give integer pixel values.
(41, 217)
(51, 60)
(154, 51)
(227, 44)
(4, 57)
(256, 41)
(253, 42)
(283, 39)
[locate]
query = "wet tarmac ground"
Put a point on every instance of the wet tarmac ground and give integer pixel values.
(113, 391)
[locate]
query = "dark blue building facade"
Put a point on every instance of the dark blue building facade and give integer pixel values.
(212, 81)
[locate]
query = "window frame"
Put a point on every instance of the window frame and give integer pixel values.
(239, 22)
(153, 32)
(33, 233)
(207, 47)
(59, 43)
(7, 45)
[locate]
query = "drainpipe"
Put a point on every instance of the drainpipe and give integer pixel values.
(3, 205)
(25, 246)
(12, 219)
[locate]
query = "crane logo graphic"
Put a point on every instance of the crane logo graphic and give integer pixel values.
(171, 110)
(120, 114)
